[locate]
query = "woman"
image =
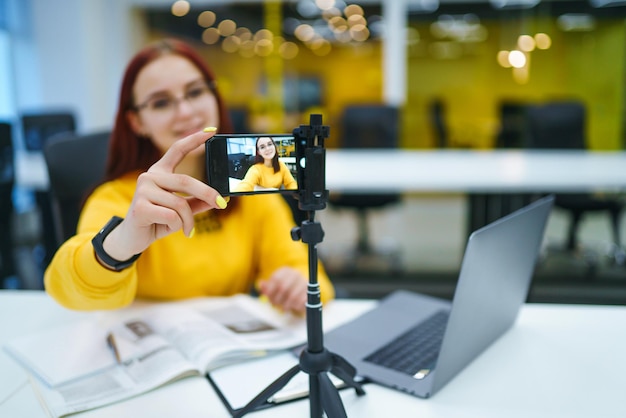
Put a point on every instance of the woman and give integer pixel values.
(154, 229)
(268, 171)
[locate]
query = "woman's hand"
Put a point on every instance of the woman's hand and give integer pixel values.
(164, 202)
(287, 289)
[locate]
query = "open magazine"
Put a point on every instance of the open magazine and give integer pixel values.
(89, 364)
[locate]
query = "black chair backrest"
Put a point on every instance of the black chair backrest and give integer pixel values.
(556, 125)
(76, 164)
(437, 114)
(370, 126)
(7, 159)
(39, 127)
(512, 125)
(239, 119)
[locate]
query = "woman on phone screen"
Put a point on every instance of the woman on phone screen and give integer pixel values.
(267, 172)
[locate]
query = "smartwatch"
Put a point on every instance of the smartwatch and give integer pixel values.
(110, 262)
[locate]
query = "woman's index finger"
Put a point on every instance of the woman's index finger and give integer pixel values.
(177, 152)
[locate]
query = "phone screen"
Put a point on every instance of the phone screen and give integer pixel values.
(249, 164)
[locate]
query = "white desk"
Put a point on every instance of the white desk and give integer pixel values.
(474, 171)
(558, 361)
(499, 171)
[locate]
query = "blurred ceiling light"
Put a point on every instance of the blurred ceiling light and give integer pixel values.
(503, 59)
(462, 28)
(526, 43)
(325, 4)
(513, 4)
(227, 27)
(517, 59)
(304, 32)
(330, 13)
(288, 50)
(206, 19)
(307, 8)
(576, 22)
(264, 47)
(438, 30)
(354, 20)
(210, 36)
(343, 37)
(543, 40)
(359, 33)
(231, 44)
(243, 33)
(263, 34)
(320, 47)
(338, 24)
(353, 9)
(180, 8)
(423, 6)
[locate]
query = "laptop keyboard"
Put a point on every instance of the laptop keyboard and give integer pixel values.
(415, 351)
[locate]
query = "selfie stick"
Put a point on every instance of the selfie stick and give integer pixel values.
(315, 360)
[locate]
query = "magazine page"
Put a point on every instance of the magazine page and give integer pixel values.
(102, 360)
(134, 376)
(216, 332)
(144, 360)
(58, 355)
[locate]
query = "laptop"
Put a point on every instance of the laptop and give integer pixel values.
(387, 344)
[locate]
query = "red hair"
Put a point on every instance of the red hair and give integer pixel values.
(129, 151)
(259, 158)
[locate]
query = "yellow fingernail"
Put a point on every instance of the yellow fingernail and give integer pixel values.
(221, 203)
(210, 129)
(192, 233)
(227, 199)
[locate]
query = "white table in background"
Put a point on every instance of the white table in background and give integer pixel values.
(383, 171)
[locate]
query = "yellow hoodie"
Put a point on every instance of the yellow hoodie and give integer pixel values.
(226, 255)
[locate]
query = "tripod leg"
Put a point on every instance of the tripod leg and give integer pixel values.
(316, 408)
(346, 372)
(329, 397)
(274, 387)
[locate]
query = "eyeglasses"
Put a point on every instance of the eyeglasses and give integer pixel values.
(167, 105)
(264, 146)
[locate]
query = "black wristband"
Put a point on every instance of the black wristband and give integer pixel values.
(97, 241)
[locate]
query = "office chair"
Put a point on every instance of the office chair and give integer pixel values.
(437, 113)
(368, 126)
(484, 208)
(239, 117)
(38, 128)
(561, 125)
(511, 130)
(76, 164)
(8, 268)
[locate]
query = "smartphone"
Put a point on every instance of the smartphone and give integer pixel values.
(244, 164)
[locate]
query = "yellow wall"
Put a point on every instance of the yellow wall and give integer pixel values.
(348, 74)
(584, 66)
(588, 66)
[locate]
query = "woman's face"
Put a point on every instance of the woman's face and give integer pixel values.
(266, 148)
(172, 102)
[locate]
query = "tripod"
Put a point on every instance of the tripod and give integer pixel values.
(315, 360)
